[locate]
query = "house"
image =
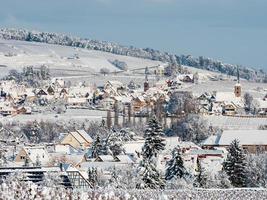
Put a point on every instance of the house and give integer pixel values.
(107, 103)
(7, 109)
(75, 159)
(114, 88)
(252, 141)
(205, 153)
(78, 139)
(138, 103)
(32, 155)
(41, 93)
(229, 109)
(50, 90)
(261, 106)
(187, 78)
(24, 110)
(77, 101)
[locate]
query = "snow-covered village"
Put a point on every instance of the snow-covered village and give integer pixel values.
(90, 119)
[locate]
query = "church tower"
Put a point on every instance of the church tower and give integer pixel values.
(237, 88)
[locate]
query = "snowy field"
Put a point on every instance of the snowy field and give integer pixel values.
(71, 114)
(60, 59)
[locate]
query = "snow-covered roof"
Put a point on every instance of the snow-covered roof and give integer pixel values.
(64, 148)
(105, 158)
(205, 152)
(245, 137)
(227, 97)
(102, 165)
(39, 152)
(124, 159)
(74, 100)
(85, 135)
(132, 147)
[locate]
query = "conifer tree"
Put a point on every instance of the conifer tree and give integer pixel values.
(93, 176)
(154, 141)
(235, 165)
(151, 177)
(154, 144)
(175, 166)
(96, 147)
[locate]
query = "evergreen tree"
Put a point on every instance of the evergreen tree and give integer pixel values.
(154, 141)
(93, 176)
(150, 176)
(96, 147)
(154, 144)
(114, 144)
(235, 165)
(175, 166)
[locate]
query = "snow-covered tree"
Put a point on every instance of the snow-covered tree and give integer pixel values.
(201, 176)
(248, 98)
(114, 144)
(97, 148)
(257, 170)
(154, 144)
(191, 128)
(154, 141)
(175, 166)
(150, 175)
(93, 176)
(182, 103)
(235, 165)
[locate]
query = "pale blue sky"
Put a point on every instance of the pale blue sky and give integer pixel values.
(234, 31)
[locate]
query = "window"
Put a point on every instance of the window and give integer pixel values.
(22, 157)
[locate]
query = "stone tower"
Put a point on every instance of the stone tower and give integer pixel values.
(237, 88)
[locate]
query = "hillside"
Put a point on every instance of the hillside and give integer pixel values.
(146, 53)
(63, 60)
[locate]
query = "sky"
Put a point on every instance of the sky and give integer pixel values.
(233, 31)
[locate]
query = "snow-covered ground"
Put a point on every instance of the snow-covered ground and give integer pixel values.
(61, 59)
(71, 114)
(62, 62)
(31, 191)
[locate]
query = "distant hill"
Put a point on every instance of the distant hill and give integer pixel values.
(147, 53)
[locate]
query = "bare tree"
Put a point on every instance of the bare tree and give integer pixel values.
(248, 98)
